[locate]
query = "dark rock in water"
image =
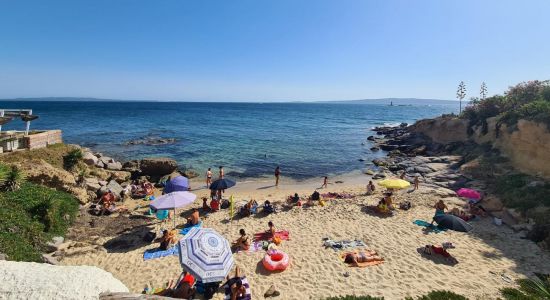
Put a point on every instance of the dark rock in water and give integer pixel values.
(151, 141)
(190, 173)
(386, 147)
(375, 148)
(379, 176)
(361, 159)
(402, 125)
(131, 166)
(370, 138)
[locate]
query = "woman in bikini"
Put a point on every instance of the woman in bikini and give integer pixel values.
(355, 258)
(242, 242)
(208, 177)
(440, 208)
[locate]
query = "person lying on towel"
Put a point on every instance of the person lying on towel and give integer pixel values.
(355, 258)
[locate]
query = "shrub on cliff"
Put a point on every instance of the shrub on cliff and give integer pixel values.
(527, 100)
(31, 216)
(71, 159)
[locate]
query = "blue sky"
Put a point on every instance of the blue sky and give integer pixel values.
(269, 50)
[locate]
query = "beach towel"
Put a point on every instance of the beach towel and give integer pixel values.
(361, 264)
(186, 229)
(429, 226)
(254, 247)
(345, 244)
(157, 253)
(248, 293)
(264, 236)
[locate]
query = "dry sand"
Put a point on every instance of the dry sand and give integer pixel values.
(488, 256)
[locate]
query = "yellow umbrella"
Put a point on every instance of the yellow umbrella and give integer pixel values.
(394, 183)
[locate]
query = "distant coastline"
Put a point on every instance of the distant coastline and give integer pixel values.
(396, 101)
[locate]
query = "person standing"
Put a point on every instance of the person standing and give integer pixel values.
(325, 182)
(208, 177)
(221, 172)
(277, 175)
(416, 181)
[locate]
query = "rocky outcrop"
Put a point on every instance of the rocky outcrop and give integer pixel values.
(526, 145)
(23, 280)
(156, 167)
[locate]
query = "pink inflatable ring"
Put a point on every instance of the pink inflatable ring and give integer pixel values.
(275, 260)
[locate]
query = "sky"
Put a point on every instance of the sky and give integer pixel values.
(278, 50)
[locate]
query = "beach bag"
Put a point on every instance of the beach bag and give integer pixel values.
(225, 204)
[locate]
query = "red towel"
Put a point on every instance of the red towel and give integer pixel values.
(265, 236)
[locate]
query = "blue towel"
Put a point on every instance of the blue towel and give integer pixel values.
(186, 229)
(434, 228)
(157, 253)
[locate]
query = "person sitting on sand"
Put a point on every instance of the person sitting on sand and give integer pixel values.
(382, 206)
(440, 208)
(315, 196)
(205, 206)
(238, 290)
(194, 219)
(268, 207)
(355, 258)
(183, 290)
(148, 188)
(432, 249)
(389, 200)
(169, 238)
(370, 188)
(461, 214)
(107, 202)
(243, 241)
(249, 208)
(271, 229)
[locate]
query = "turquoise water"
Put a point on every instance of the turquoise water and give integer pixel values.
(248, 139)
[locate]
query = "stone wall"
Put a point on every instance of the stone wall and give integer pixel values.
(527, 145)
(43, 139)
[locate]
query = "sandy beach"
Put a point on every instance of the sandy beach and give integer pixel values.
(490, 257)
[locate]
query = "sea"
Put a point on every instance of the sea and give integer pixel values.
(249, 139)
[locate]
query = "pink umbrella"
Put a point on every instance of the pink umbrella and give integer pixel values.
(468, 193)
(172, 201)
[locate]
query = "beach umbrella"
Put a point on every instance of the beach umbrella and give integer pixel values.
(173, 201)
(205, 254)
(177, 184)
(222, 184)
(452, 222)
(468, 193)
(394, 183)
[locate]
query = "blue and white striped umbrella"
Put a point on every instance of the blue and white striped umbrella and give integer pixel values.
(206, 255)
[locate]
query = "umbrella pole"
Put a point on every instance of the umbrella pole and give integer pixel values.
(174, 218)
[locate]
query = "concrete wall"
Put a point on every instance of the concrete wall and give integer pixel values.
(43, 139)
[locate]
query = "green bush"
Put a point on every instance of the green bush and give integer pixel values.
(31, 216)
(71, 159)
(439, 295)
(515, 192)
(529, 289)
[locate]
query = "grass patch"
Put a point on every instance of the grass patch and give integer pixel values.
(31, 216)
(52, 154)
(515, 191)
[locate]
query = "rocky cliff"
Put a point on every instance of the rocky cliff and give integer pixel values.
(526, 144)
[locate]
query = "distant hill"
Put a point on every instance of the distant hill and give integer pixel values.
(398, 101)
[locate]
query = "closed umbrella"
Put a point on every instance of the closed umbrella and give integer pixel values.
(468, 193)
(177, 184)
(222, 184)
(206, 255)
(452, 222)
(394, 183)
(173, 201)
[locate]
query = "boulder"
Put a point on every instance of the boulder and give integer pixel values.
(103, 182)
(53, 245)
(379, 162)
(100, 164)
(157, 166)
(379, 176)
(49, 259)
(92, 184)
(115, 166)
(114, 187)
(89, 159)
(120, 176)
(81, 194)
(370, 138)
(369, 172)
(492, 203)
(375, 148)
(131, 166)
(106, 160)
(420, 150)
(387, 147)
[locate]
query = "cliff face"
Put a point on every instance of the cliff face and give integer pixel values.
(527, 146)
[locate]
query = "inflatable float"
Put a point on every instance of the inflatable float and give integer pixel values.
(276, 260)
